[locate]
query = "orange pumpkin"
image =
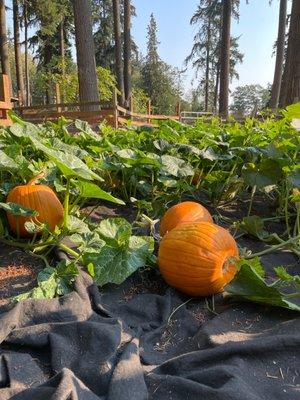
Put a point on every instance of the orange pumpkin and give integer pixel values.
(188, 211)
(197, 258)
(36, 197)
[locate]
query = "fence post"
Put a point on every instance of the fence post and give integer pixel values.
(149, 111)
(58, 96)
(115, 109)
(179, 110)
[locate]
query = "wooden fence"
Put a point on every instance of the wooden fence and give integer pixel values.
(93, 113)
(5, 100)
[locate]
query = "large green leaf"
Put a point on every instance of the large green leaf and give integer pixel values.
(18, 210)
(91, 191)
(85, 128)
(267, 173)
(132, 157)
(121, 254)
(7, 162)
(69, 164)
(175, 166)
(254, 225)
(115, 264)
(52, 282)
(115, 231)
(249, 284)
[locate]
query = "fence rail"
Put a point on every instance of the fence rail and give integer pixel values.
(91, 112)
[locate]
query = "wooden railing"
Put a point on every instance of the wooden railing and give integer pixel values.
(92, 112)
(189, 117)
(5, 100)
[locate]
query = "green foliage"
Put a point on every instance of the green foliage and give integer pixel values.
(250, 98)
(117, 254)
(156, 78)
(53, 282)
(106, 83)
(46, 78)
(249, 284)
(104, 33)
(152, 169)
(205, 53)
(140, 101)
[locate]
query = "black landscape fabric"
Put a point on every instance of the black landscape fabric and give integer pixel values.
(121, 344)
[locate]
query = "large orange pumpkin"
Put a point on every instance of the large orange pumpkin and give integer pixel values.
(36, 197)
(188, 211)
(197, 258)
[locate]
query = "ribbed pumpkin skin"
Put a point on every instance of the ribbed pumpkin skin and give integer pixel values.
(192, 258)
(40, 198)
(188, 211)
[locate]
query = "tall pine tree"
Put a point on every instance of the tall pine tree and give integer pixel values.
(158, 79)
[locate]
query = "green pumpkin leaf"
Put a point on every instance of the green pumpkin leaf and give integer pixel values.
(53, 282)
(267, 173)
(18, 210)
(85, 128)
(118, 254)
(254, 226)
(115, 231)
(69, 164)
(175, 166)
(92, 191)
(250, 285)
(115, 264)
(7, 162)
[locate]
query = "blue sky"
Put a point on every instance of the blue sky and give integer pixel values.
(257, 28)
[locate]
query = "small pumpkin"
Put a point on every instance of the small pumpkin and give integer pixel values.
(197, 258)
(188, 211)
(40, 198)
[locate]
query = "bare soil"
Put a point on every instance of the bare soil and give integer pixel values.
(18, 273)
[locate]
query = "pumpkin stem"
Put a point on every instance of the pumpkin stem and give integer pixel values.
(227, 263)
(36, 178)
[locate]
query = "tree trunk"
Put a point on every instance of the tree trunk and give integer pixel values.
(207, 69)
(291, 82)
(62, 55)
(118, 50)
(279, 55)
(86, 64)
(217, 84)
(18, 59)
(127, 52)
(4, 40)
(225, 59)
(27, 78)
(47, 55)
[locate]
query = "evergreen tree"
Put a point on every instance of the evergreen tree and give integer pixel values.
(290, 88)
(249, 98)
(205, 54)
(157, 77)
(54, 22)
(104, 32)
